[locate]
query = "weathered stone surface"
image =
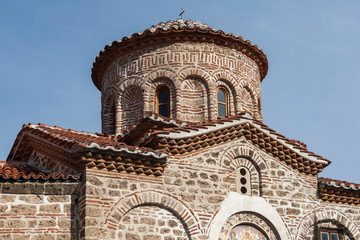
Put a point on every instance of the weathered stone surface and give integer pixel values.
(56, 198)
(32, 198)
(50, 208)
(23, 209)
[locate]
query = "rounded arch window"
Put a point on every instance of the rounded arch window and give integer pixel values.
(222, 102)
(246, 232)
(162, 101)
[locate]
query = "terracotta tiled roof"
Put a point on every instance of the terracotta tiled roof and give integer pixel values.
(187, 139)
(22, 171)
(339, 184)
(150, 122)
(76, 149)
(175, 31)
(76, 140)
(336, 191)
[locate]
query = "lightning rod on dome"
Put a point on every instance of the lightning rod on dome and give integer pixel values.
(182, 13)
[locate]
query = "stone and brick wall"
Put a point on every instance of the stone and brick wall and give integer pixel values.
(192, 72)
(37, 210)
(193, 190)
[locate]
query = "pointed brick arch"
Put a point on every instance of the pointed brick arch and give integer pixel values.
(322, 214)
(155, 198)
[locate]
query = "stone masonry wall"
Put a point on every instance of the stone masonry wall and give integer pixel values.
(194, 70)
(33, 210)
(191, 193)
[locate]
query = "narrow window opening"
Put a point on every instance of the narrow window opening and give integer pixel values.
(162, 101)
(223, 102)
(243, 181)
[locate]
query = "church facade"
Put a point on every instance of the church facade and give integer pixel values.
(183, 154)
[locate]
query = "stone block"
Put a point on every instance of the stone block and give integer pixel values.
(46, 223)
(23, 209)
(6, 198)
(50, 208)
(58, 198)
(152, 237)
(15, 223)
(131, 236)
(32, 198)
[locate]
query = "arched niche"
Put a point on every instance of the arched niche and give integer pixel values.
(236, 204)
(327, 216)
(161, 203)
(195, 102)
(132, 106)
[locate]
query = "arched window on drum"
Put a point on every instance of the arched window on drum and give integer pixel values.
(222, 102)
(162, 101)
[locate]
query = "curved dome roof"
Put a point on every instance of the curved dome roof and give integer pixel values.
(178, 30)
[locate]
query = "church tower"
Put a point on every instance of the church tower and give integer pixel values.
(180, 69)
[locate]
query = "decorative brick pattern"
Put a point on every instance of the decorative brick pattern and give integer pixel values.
(40, 161)
(131, 106)
(191, 70)
(195, 102)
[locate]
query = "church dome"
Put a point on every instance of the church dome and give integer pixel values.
(184, 70)
(177, 31)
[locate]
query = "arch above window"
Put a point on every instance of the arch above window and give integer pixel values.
(222, 102)
(162, 101)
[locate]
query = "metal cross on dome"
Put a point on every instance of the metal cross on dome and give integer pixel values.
(182, 13)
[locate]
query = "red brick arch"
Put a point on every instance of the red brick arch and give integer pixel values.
(161, 73)
(236, 156)
(234, 152)
(195, 71)
(155, 198)
(322, 214)
(195, 86)
(234, 105)
(132, 81)
(221, 74)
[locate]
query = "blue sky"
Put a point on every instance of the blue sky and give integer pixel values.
(311, 92)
